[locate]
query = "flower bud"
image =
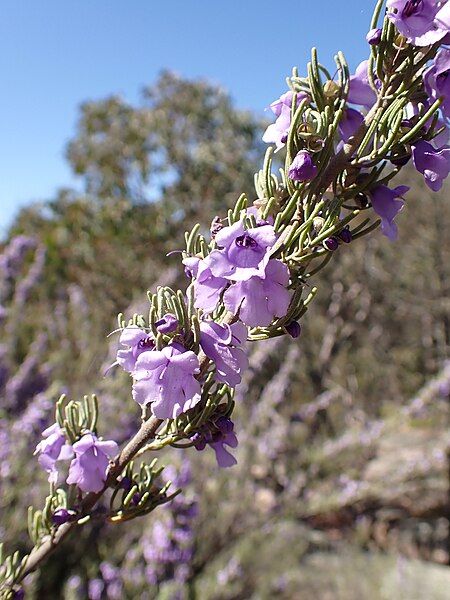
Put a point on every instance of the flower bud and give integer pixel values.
(331, 243)
(374, 36)
(346, 235)
(294, 329)
(302, 167)
(63, 515)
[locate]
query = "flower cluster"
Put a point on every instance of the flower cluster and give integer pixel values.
(90, 458)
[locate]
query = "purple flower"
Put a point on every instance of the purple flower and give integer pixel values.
(51, 449)
(223, 345)
(437, 81)
(386, 204)
(167, 324)
(277, 133)
(350, 123)
(373, 37)
(88, 468)
(165, 379)
(360, 91)
(433, 164)
(243, 253)
(260, 299)
(422, 22)
(218, 435)
(302, 167)
(207, 287)
(135, 341)
(63, 515)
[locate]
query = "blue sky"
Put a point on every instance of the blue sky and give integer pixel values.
(55, 54)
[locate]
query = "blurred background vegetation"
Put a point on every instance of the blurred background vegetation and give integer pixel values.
(342, 486)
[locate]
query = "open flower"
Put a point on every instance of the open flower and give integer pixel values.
(360, 91)
(277, 133)
(207, 287)
(433, 164)
(243, 252)
(51, 449)
(387, 205)
(260, 299)
(218, 435)
(223, 345)
(422, 22)
(437, 79)
(302, 167)
(135, 341)
(88, 468)
(165, 380)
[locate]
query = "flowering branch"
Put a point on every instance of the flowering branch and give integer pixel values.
(345, 139)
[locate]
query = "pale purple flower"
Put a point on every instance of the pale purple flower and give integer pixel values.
(437, 79)
(135, 341)
(243, 253)
(277, 133)
(168, 324)
(223, 345)
(433, 164)
(165, 380)
(422, 22)
(302, 167)
(53, 448)
(218, 435)
(360, 91)
(349, 124)
(207, 287)
(387, 205)
(260, 299)
(88, 468)
(373, 37)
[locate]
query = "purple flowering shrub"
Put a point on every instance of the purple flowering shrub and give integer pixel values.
(250, 279)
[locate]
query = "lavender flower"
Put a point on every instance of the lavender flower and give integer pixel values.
(243, 253)
(433, 164)
(135, 341)
(360, 91)
(88, 468)
(373, 37)
(207, 287)
(437, 81)
(51, 449)
(386, 204)
(302, 167)
(350, 123)
(168, 324)
(277, 133)
(260, 299)
(223, 345)
(165, 380)
(422, 22)
(218, 435)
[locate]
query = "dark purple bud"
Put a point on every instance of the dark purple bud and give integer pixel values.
(346, 235)
(400, 159)
(18, 594)
(361, 200)
(136, 499)
(374, 36)
(167, 324)
(224, 425)
(63, 515)
(294, 329)
(126, 484)
(331, 243)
